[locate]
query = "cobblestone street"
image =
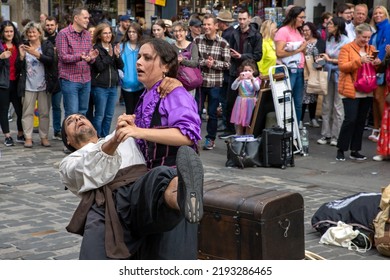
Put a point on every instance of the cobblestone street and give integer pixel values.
(35, 208)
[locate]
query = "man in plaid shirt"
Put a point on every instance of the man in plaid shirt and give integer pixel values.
(75, 54)
(214, 57)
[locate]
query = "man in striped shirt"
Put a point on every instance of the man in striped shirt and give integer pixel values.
(214, 58)
(75, 54)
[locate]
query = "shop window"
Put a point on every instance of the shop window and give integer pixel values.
(99, 10)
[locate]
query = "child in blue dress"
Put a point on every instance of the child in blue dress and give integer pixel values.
(248, 84)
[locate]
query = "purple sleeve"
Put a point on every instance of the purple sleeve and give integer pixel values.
(179, 110)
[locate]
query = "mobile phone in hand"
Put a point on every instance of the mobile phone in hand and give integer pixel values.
(26, 42)
(244, 75)
(375, 54)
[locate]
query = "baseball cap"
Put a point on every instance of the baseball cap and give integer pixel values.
(195, 22)
(124, 18)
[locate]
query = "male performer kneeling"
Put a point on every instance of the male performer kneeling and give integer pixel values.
(122, 202)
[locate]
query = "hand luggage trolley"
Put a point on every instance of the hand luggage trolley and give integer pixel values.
(282, 97)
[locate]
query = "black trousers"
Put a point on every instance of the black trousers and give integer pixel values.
(8, 96)
(131, 100)
(151, 229)
(355, 115)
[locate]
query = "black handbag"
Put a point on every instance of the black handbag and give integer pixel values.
(243, 151)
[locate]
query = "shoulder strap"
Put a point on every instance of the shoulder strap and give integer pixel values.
(156, 118)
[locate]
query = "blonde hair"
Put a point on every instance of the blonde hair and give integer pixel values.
(362, 28)
(266, 29)
(384, 10)
(32, 25)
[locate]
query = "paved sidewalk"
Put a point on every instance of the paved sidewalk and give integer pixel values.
(35, 208)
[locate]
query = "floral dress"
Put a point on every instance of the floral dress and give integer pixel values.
(383, 146)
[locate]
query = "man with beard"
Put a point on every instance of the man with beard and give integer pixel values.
(122, 202)
(124, 23)
(51, 27)
(225, 25)
(245, 43)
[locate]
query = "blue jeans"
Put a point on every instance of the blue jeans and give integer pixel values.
(105, 100)
(296, 81)
(56, 107)
(212, 105)
(76, 96)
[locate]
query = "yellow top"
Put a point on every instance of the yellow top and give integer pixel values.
(269, 57)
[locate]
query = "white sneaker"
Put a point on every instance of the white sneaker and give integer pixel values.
(314, 123)
(323, 140)
(380, 158)
(374, 137)
(333, 142)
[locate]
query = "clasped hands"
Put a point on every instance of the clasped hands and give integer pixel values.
(125, 128)
(90, 56)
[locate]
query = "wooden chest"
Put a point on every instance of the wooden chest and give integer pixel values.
(247, 223)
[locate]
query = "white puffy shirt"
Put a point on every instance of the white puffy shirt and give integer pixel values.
(90, 168)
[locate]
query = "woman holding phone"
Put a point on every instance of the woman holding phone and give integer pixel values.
(36, 82)
(9, 55)
(356, 104)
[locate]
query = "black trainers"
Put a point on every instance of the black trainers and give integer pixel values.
(9, 141)
(190, 184)
(357, 156)
(340, 155)
(20, 139)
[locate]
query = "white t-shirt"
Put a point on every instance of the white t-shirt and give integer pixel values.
(35, 80)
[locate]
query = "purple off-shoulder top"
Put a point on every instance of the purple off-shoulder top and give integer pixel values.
(177, 110)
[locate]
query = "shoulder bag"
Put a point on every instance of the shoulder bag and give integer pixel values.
(317, 82)
(190, 77)
(243, 151)
(366, 78)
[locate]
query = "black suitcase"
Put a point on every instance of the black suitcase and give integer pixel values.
(277, 147)
(277, 143)
(243, 222)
